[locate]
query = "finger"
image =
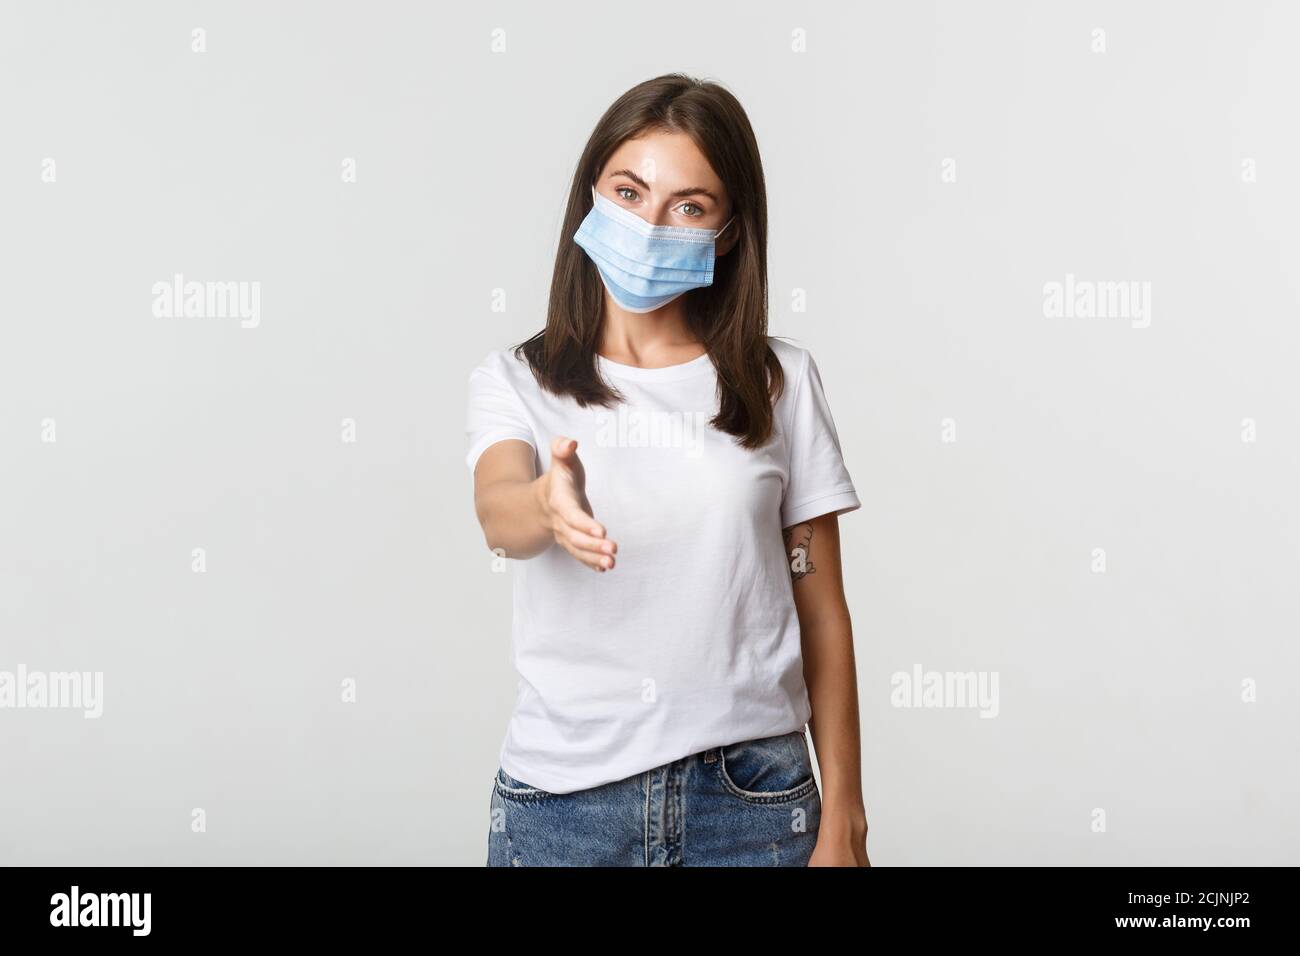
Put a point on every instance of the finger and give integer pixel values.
(586, 542)
(598, 548)
(597, 562)
(576, 518)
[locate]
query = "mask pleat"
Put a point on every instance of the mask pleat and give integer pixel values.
(644, 266)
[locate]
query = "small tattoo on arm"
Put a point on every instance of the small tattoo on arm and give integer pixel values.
(798, 548)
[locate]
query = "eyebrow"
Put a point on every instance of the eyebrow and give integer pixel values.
(691, 191)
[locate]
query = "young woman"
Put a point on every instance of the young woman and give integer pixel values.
(644, 458)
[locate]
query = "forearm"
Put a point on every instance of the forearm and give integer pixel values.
(513, 516)
(831, 677)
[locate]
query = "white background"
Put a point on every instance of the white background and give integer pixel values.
(329, 560)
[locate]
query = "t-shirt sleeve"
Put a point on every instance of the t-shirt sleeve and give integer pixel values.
(819, 482)
(495, 412)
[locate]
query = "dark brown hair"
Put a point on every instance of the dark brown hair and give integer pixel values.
(729, 316)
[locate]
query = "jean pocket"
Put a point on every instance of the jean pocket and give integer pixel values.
(769, 769)
(511, 788)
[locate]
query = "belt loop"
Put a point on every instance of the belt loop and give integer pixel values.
(711, 755)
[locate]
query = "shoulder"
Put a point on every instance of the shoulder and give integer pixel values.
(505, 366)
(795, 364)
(793, 359)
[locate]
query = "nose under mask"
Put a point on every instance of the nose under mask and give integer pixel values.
(645, 266)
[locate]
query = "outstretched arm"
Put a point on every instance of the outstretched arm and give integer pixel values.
(523, 513)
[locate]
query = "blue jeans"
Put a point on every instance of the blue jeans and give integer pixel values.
(748, 804)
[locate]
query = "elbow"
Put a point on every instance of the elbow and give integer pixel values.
(492, 535)
(494, 541)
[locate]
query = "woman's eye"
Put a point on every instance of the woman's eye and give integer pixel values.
(623, 192)
(691, 205)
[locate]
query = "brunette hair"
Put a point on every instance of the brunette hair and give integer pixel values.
(729, 316)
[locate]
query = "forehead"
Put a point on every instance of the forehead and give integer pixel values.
(667, 160)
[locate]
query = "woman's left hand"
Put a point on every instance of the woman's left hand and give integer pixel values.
(841, 842)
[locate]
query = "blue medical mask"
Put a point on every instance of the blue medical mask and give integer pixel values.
(645, 266)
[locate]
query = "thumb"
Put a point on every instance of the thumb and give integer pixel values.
(564, 449)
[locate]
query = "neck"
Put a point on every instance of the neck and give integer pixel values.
(661, 337)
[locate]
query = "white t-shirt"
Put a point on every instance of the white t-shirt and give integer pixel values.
(691, 641)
